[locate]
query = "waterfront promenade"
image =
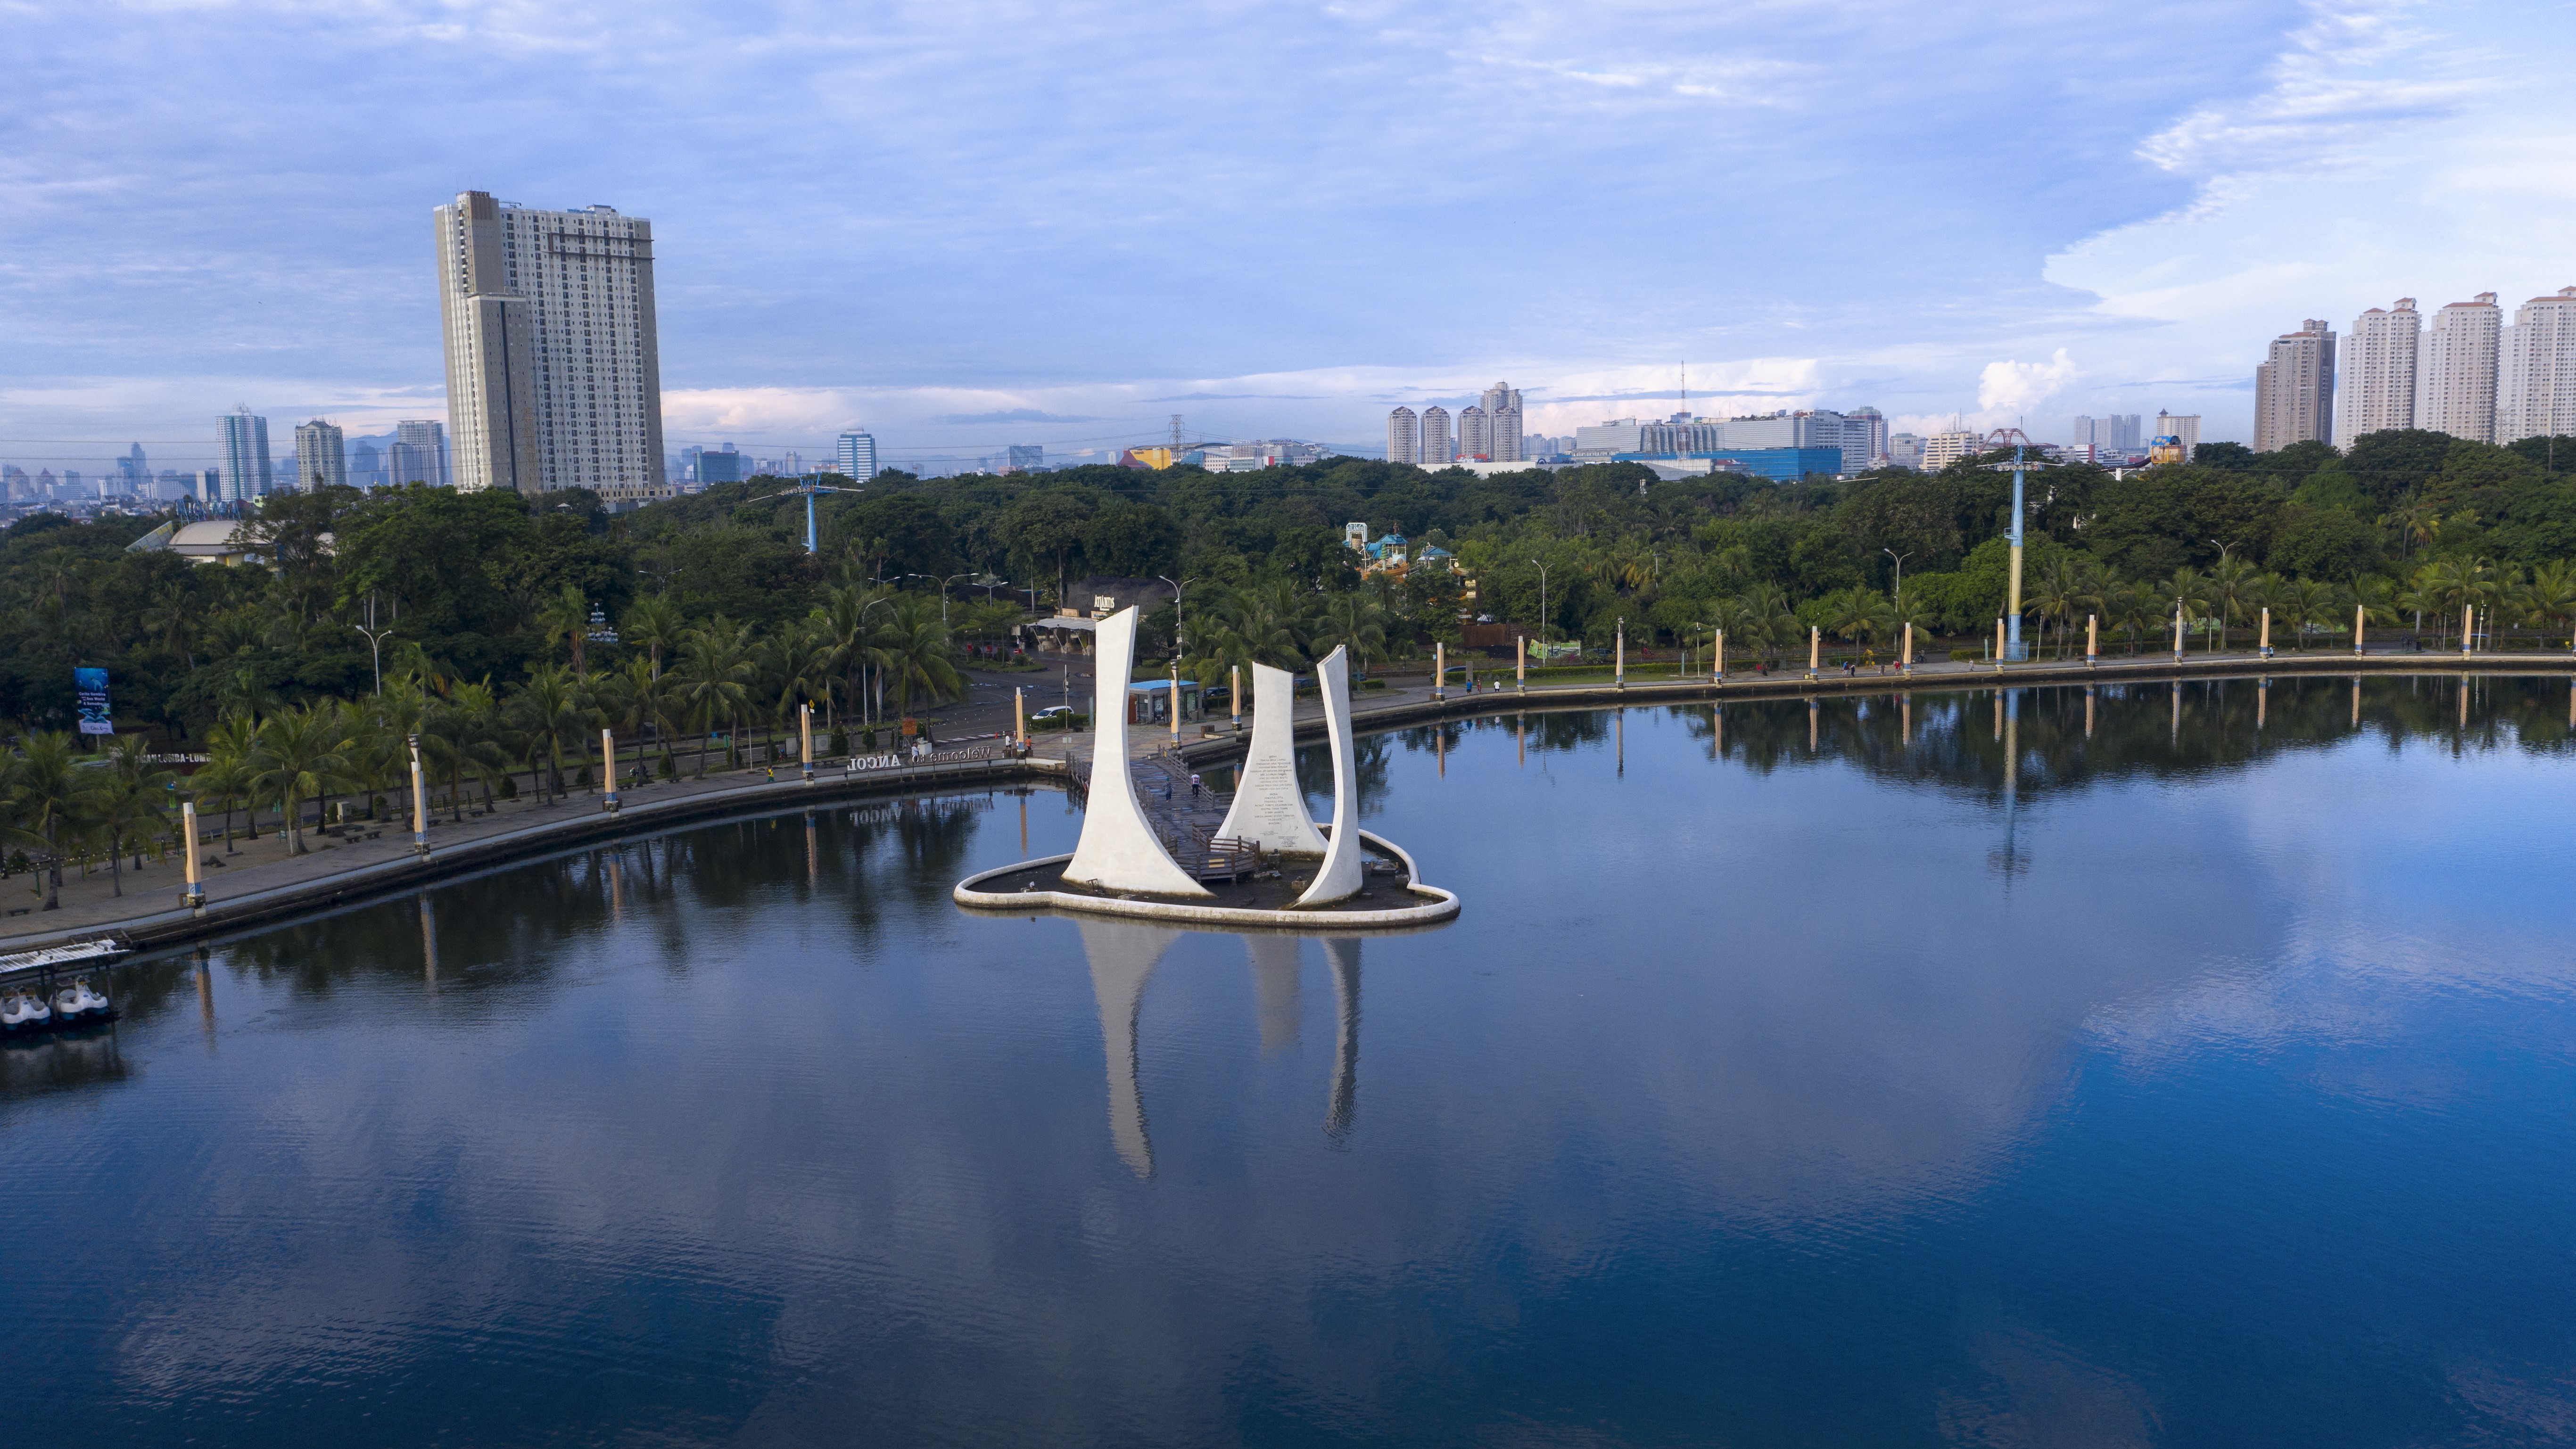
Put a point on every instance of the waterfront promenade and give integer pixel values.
(260, 881)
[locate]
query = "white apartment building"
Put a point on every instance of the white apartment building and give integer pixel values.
(2113, 436)
(2455, 388)
(321, 456)
(2294, 389)
(2537, 397)
(1403, 437)
(1475, 439)
(554, 373)
(1943, 449)
(1439, 449)
(1864, 440)
(419, 454)
(1502, 405)
(2378, 368)
(2184, 428)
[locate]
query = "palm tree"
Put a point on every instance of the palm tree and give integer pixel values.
(297, 758)
(1355, 622)
(227, 771)
(2414, 522)
(2549, 597)
(463, 734)
(546, 708)
(2052, 597)
(1257, 624)
(655, 626)
(2186, 594)
(2130, 608)
(917, 656)
(2231, 593)
(712, 679)
(566, 616)
(131, 798)
(49, 802)
(1857, 614)
(174, 617)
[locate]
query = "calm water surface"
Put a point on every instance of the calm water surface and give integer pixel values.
(2204, 1080)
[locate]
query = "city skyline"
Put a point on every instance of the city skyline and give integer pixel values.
(176, 261)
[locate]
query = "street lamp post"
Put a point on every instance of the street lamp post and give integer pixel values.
(1896, 591)
(1542, 611)
(1180, 621)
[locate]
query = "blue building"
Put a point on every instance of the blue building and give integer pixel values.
(1781, 465)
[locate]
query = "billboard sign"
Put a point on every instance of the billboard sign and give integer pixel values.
(91, 686)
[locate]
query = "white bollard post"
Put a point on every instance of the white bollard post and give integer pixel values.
(1619, 660)
(196, 894)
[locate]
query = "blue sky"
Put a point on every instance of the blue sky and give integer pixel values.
(968, 224)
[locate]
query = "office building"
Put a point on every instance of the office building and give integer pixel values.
(1943, 449)
(2537, 395)
(1905, 450)
(321, 456)
(419, 453)
(1025, 457)
(2294, 389)
(1438, 449)
(1403, 437)
(2455, 389)
(554, 375)
(2378, 373)
(366, 466)
(857, 455)
(719, 465)
(245, 452)
(1864, 439)
(133, 473)
(2183, 428)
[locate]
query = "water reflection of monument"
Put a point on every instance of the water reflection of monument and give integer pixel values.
(1123, 957)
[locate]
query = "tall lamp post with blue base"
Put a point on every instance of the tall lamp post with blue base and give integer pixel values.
(2022, 462)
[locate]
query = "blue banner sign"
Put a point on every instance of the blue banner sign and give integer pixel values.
(91, 684)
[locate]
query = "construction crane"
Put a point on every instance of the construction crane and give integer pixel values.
(2021, 463)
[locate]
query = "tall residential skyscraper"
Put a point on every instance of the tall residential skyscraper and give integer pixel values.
(2538, 396)
(2455, 389)
(321, 448)
(1475, 439)
(245, 443)
(857, 455)
(419, 453)
(554, 373)
(1438, 451)
(2378, 368)
(1403, 437)
(1502, 405)
(2182, 426)
(2294, 389)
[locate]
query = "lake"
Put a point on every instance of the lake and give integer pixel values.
(2166, 1067)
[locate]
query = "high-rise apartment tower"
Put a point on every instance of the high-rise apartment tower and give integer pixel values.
(1502, 405)
(554, 372)
(2294, 389)
(419, 453)
(321, 456)
(1403, 437)
(245, 468)
(2538, 394)
(2184, 427)
(1438, 450)
(2378, 368)
(2455, 389)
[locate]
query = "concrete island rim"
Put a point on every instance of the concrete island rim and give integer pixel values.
(1437, 905)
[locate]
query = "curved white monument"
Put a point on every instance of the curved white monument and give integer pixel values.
(1269, 810)
(1340, 875)
(1119, 850)
(1120, 855)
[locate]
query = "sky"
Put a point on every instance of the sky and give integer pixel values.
(969, 224)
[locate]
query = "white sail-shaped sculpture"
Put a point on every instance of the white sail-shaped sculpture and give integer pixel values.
(1340, 876)
(1269, 810)
(1119, 850)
